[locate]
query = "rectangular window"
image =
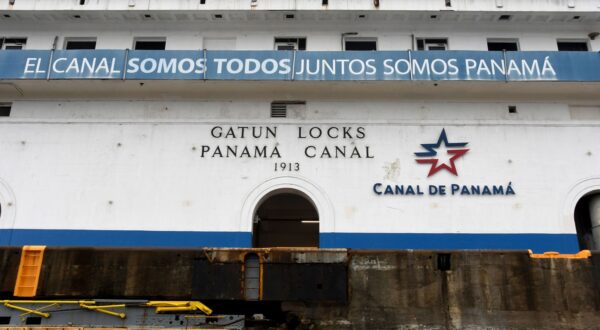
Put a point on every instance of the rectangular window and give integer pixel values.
(361, 44)
(432, 44)
(80, 43)
(5, 109)
(150, 43)
(510, 45)
(13, 43)
(572, 45)
(290, 43)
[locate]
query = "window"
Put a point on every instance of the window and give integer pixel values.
(290, 43)
(12, 43)
(362, 44)
(80, 43)
(432, 44)
(572, 45)
(5, 109)
(503, 44)
(150, 44)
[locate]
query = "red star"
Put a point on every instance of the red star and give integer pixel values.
(456, 153)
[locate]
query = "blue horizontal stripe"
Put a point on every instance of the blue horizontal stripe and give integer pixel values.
(125, 238)
(564, 243)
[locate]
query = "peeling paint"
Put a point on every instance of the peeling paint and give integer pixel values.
(392, 170)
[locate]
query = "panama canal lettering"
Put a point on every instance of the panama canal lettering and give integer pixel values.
(315, 141)
(442, 190)
(431, 156)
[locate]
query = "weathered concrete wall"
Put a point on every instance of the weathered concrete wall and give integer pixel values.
(481, 289)
(384, 289)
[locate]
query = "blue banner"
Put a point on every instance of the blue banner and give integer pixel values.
(24, 64)
(87, 64)
(300, 65)
(249, 65)
(169, 64)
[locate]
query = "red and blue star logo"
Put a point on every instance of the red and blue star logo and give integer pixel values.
(441, 155)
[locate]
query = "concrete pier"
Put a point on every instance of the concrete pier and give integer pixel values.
(337, 289)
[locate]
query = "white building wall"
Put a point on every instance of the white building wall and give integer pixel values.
(137, 165)
(321, 35)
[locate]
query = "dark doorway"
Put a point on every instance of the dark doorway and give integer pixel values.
(286, 219)
(583, 223)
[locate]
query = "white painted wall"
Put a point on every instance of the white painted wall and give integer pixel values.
(338, 5)
(132, 165)
(257, 38)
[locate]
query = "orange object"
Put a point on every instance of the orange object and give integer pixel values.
(583, 254)
(29, 271)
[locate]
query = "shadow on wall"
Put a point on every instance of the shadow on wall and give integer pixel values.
(587, 218)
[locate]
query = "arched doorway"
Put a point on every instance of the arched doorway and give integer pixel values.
(587, 221)
(287, 218)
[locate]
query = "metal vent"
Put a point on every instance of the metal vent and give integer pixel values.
(278, 110)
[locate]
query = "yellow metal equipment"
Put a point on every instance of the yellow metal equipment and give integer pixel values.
(92, 305)
(179, 306)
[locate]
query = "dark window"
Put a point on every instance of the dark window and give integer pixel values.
(432, 44)
(501, 45)
(13, 43)
(150, 45)
(290, 43)
(443, 261)
(360, 44)
(80, 44)
(4, 319)
(33, 320)
(572, 46)
(5, 109)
